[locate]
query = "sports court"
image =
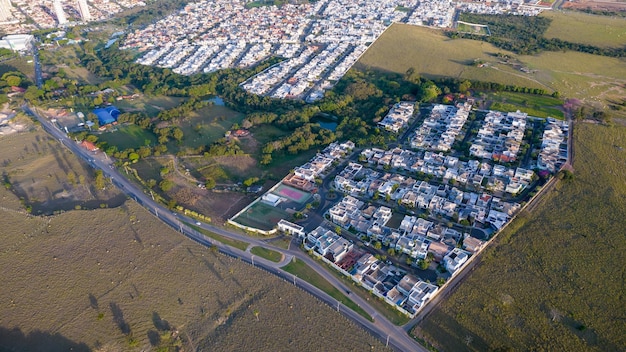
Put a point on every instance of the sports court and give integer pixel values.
(292, 194)
(261, 216)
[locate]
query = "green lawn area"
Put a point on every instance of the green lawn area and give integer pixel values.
(588, 77)
(555, 279)
(304, 272)
(533, 105)
(579, 27)
(223, 239)
(128, 136)
(20, 64)
(432, 54)
(150, 105)
(207, 125)
(267, 254)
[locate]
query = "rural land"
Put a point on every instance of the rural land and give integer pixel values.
(400, 175)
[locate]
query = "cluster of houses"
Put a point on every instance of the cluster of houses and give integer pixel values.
(500, 136)
(398, 116)
(322, 161)
(405, 291)
(450, 169)
(553, 145)
(440, 129)
(213, 34)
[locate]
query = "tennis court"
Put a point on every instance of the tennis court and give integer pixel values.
(292, 194)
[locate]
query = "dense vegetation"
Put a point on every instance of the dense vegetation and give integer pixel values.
(555, 280)
(525, 35)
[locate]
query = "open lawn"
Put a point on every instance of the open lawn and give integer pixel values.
(20, 64)
(128, 136)
(208, 124)
(225, 240)
(587, 77)
(267, 254)
(149, 105)
(304, 272)
(555, 279)
(533, 105)
(579, 27)
(432, 54)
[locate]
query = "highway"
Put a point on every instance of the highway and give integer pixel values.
(393, 336)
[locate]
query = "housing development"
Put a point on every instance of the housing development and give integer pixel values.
(402, 221)
(320, 41)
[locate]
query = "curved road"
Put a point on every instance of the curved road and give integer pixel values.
(394, 336)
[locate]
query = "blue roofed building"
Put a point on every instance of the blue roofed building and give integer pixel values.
(107, 115)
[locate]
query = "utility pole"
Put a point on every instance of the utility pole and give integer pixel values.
(252, 258)
(387, 343)
(156, 211)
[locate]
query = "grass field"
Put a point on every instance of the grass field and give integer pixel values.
(533, 105)
(149, 105)
(225, 240)
(434, 55)
(208, 124)
(262, 216)
(304, 272)
(591, 78)
(128, 136)
(267, 254)
(579, 27)
(20, 64)
(555, 279)
(472, 28)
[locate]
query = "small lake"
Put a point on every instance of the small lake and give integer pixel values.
(216, 100)
(325, 123)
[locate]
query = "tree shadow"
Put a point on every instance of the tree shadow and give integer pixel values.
(93, 301)
(160, 323)
(154, 338)
(118, 318)
(15, 340)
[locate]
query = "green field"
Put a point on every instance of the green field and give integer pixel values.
(149, 105)
(555, 279)
(267, 254)
(20, 64)
(207, 125)
(579, 27)
(473, 29)
(128, 136)
(223, 239)
(591, 78)
(533, 105)
(304, 272)
(433, 55)
(262, 216)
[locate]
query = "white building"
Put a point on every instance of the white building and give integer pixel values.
(58, 10)
(84, 10)
(17, 42)
(5, 11)
(455, 259)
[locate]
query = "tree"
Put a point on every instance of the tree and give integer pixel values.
(32, 93)
(133, 157)
(338, 230)
(423, 264)
(391, 251)
(99, 179)
(378, 245)
(13, 80)
(177, 133)
(209, 183)
(166, 185)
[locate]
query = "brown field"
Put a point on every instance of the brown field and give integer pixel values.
(116, 279)
(595, 5)
(47, 177)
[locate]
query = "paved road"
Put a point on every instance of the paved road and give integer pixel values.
(382, 328)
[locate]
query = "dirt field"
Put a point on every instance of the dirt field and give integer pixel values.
(595, 5)
(47, 178)
(116, 279)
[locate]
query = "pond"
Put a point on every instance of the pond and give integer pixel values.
(216, 100)
(325, 122)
